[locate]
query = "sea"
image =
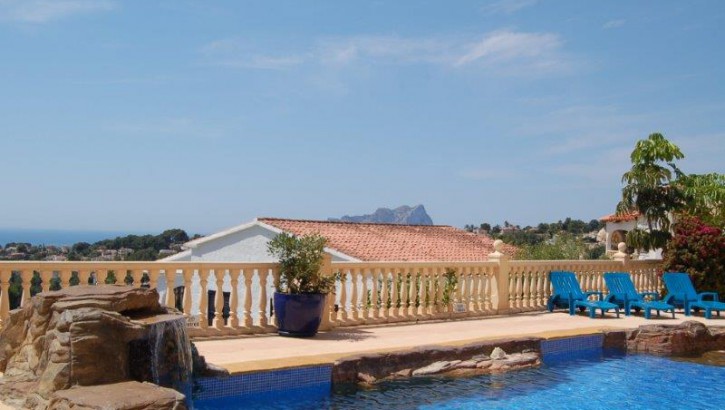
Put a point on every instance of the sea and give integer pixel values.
(58, 237)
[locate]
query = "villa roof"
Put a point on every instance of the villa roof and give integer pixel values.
(392, 242)
(620, 218)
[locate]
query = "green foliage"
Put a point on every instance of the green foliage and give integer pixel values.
(698, 249)
(649, 190)
(450, 283)
(705, 197)
(300, 259)
(657, 189)
(562, 246)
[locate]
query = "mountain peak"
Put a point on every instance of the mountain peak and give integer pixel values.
(402, 215)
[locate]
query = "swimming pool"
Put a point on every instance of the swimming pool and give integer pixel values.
(590, 379)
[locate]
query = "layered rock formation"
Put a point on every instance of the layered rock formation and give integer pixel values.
(88, 336)
(402, 215)
(686, 339)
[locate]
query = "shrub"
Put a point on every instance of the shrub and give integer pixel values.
(698, 249)
(300, 259)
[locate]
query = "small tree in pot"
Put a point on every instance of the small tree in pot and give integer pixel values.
(300, 296)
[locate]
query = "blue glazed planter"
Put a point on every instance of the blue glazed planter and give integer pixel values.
(298, 315)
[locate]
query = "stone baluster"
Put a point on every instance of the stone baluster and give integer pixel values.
(170, 276)
(26, 276)
(84, 276)
(45, 277)
(385, 296)
(475, 290)
(375, 297)
(404, 284)
(422, 292)
(412, 294)
(441, 280)
(247, 315)
(275, 286)
(218, 320)
(204, 298)
(234, 297)
(65, 276)
(263, 274)
(431, 292)
(342, 306)
(395, 297)
(354, 296)
(188, 274)
(367, 298)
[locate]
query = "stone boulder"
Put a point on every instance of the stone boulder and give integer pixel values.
(685, 339)
(78, 336)
(119, 396)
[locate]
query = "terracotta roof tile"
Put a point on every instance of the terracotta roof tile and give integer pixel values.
(620, 218)
(390, 242)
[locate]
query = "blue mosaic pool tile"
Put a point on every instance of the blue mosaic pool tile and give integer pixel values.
(271, 381)
(572, 344)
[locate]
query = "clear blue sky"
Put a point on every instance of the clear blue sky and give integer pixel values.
(143, 115)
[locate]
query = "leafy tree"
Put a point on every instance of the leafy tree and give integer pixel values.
(486, 227)
(562, 246)
(649, 190)
(496, 229)
(705, 197)
(698, 249)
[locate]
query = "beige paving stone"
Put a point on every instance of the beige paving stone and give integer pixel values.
(274, 352)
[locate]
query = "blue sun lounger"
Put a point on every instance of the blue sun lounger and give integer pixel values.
(681, 293)
(568, 293)
(623, 293)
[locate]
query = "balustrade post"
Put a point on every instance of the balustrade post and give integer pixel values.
(170, 276)
(4, 294)
(65, 276)
(234, 297)
(187, 275)
(327, 310)
(84, 275)
(412, 283)
(366, 302)
(422, 292)
(45, 277)
(375, 298)
(204, 299)
(26, 285)
(263, 274)
(354, 296)
(500, 292)
(218, 321)
(247, 315)
(385, 295)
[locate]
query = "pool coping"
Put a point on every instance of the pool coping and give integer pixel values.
(330, 359)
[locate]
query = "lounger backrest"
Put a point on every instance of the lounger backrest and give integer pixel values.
(620, 284)
(679, 284)
(565, 283)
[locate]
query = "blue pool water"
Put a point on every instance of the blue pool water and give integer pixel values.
(591, 379)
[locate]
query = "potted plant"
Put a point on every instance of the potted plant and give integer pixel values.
(300, 296)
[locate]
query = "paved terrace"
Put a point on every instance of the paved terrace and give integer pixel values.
(273, 352)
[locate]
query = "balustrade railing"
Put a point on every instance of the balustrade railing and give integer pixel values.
(223, 299)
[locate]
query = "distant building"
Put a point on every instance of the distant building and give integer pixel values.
(347, 241)
(616, 229)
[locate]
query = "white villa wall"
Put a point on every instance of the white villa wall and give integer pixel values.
(627, 226)
(248, 245)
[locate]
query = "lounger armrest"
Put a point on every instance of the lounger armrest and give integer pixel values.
(593, 292)
(701, 296)
(669, 298)
(654, 295)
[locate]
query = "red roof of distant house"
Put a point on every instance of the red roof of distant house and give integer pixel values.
(390, 242)
(620, 218)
